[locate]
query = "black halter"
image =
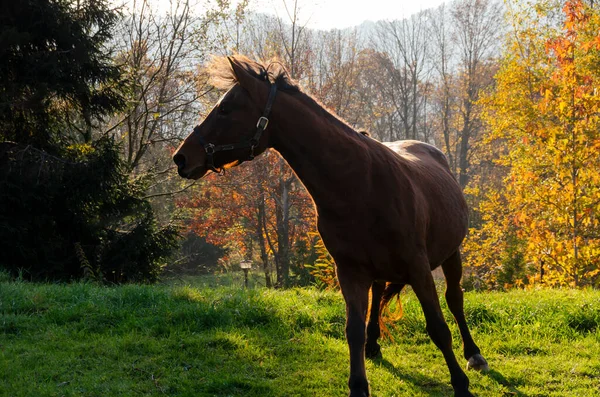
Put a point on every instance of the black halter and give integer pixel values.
(251, 143)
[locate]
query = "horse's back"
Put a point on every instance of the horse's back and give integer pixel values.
(437, 192)
(417, 151)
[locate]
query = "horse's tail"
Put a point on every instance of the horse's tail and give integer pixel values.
(391, 291)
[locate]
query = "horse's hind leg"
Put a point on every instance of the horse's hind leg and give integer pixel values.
(372, 348)
(454, 297)
(424, 286)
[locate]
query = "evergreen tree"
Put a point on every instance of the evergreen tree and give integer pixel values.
(56, 77)
(68, 208)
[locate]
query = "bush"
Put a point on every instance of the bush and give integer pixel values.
(77, 216)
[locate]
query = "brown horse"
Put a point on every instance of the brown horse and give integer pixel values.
(387, 213)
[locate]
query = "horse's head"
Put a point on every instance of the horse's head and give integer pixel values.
(236, 129)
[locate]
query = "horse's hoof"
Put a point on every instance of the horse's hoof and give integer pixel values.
(373, 352)
(464, 394)
(478, 363)
(359, 388)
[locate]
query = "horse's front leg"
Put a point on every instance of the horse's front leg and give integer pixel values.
(355, 289)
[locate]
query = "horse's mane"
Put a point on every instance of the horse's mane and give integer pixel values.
(222, 76)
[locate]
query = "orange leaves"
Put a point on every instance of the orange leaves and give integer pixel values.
(575, 12)
(546, 215)
(239, 211)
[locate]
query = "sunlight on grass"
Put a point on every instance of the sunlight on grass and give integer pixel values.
(187, 293)
(189, 340)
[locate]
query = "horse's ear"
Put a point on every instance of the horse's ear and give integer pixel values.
(251, 83)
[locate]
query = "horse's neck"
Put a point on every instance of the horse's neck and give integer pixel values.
(320, 151)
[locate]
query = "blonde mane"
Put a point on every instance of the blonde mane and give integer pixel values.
(222, 76)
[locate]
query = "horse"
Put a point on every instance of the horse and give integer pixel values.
(388, 213)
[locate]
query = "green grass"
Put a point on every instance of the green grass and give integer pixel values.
(178, 340)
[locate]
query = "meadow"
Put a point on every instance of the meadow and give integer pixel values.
(198, 337)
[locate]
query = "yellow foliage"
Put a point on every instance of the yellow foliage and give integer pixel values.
(80, 150)
(543, 225)
(324, 268)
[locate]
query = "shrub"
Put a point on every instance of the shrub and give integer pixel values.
(76, 216)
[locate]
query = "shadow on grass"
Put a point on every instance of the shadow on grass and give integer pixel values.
(498, 377)
(434, 387)
(430, 386)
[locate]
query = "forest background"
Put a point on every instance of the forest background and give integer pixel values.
(96, 97)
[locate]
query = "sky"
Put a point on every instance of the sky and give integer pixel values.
(329, 14)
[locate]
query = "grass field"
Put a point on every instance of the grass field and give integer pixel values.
(193, 339)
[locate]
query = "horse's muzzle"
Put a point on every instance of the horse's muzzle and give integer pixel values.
(181, 172)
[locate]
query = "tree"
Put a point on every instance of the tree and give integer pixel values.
(406, 45)
(334, 81)
(77, 216)
(156, 52)
(55, 74)
(444, 98)
(544, 116)
(70, 210)
(477, 33)
(242, 216)
(291, 44)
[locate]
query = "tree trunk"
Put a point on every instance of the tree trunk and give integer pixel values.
(463, 160)
(261, 239)
(282, 216)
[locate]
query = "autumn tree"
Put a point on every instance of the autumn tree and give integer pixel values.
(239, 213)
(407, 48)
(478, 28)
(156, 52)
(289, 41)
(544, 122)
(444, 98)
(160, 49)
(388, 84)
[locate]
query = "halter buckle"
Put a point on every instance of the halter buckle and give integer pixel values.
(263, 122)
(209, 148)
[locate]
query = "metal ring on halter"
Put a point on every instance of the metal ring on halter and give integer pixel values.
(262, 123)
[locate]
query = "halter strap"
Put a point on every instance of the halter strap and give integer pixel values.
(251, 143)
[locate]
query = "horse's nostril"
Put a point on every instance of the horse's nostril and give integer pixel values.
(179, 159)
